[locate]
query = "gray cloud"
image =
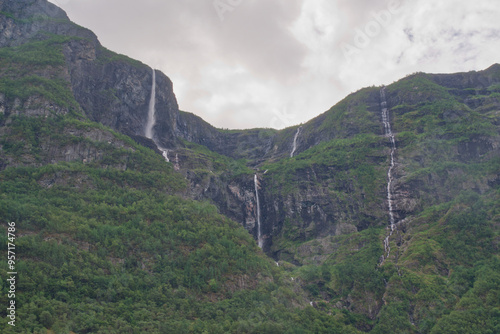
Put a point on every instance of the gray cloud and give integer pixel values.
(284, 57)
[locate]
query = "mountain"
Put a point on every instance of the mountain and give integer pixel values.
(380, 215)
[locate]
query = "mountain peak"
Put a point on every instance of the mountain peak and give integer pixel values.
(26, 20)
(27, 9)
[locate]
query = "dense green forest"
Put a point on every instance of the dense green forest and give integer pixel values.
(107, 250)
(103, 250)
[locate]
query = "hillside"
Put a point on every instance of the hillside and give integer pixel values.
(380, 215)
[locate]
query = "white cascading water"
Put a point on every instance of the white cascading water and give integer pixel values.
(388, 133)
(294, 148)
(260, 242)
(152, 118)
(151, 110)
(165, 154)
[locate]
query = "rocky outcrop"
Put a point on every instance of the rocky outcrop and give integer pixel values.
(234, 197)
(72, 144)
(465, 81)
(21, 21)
(36, 106)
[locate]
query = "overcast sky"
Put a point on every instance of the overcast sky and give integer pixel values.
(277, 63)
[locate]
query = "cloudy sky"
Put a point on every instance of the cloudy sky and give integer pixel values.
(277, 63)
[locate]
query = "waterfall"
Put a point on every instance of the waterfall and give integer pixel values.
(176, 164)
(260, 242)
(295, 142)
(388, 133)
(151, 110)
(164, 152)
(152, 118)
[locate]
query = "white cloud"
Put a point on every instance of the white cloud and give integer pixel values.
(270, 58)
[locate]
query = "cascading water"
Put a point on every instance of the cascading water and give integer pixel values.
(294, 148)
(260, 242)
(176, 163)
(165, 155)
(388, 133)
(152, 118)
(151, 110)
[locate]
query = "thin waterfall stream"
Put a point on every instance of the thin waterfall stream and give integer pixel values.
(294, 148)
(151, 110)
(390, 135)
(260, 242)
(149, 133)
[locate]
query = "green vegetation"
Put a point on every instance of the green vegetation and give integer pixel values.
(106, 56)
(110, 240)
(351, 115)
(352, 158)
(450, 255)
(38, 53)
(418, 88)
(200, 159)
(36, 17)
(56, 90)
(33, 70)
(131, 164)
(103, 249)
(438, 257)
(107, 244)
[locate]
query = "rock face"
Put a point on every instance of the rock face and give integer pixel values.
(110, 89)
(116, 94)
(28, 19)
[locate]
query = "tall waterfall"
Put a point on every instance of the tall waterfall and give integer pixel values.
(152, 118)
(260, 242)
(295, 142)
(151, 110)
(388, 133)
